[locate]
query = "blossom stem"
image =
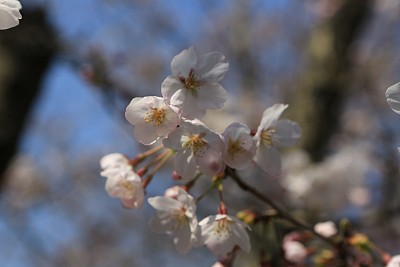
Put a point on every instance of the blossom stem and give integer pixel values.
(139, 158)
(281, 211)
(161, 159)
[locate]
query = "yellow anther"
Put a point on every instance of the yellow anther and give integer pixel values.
(155, 116)
(195, 143)
(191, 82)
(234, 147)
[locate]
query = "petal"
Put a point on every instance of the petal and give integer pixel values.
(241, 237)
(136, 110)
(146, 133)
(182, 239)
(212, 66)
(270, 116)
(190, 109)
(169, 86)
(156, 226)
(7, 19)
(164, 203)
(113, 159)
(179, 97)
(286, 132)
(12, 4)
(211, 96)
(185, 164)
(183, 62)
(173, 141)
(269, 160)
(210, 163)
(393, 97)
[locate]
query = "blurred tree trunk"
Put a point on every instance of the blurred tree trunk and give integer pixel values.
(25, 52)
(318, 99)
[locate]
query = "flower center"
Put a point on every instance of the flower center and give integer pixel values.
(234, 147)
(180, 218)
(223, 227)
(267, 136)
(196, 143)
(155, 116)
(191, 82)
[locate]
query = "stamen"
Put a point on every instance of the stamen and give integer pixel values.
(196, 143)
(223, 227)
(234, 147)
(156, 116)
(191, 82)
(267, 136)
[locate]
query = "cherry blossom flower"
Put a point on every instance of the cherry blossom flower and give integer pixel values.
(193, 86)
(272, 134)
(197, 147)
(326, 229)
(122, 182)
(294, 251)
(176, 217)
(9, 13)
(152, 118)
(221, 233)
(394, 261)
(393, 97)
(239, 146)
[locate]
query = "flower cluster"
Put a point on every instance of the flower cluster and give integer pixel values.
(9, 13)
(174, 122)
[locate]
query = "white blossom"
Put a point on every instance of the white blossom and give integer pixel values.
(9, 13)
(193, 86)
(394, 261)
(239, 146)
(326, 229)
(152, 118)
(272, 134)
(393, 97)
(221, 233)
(176, 217)
(122, 182)
(294, 251)
(197, 147)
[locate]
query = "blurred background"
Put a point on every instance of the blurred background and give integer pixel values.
(71, 67)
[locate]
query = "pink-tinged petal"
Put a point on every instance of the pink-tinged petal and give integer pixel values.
(133, 203)
(270, 116)
(393, 97)
(211, 96)
(185, 164)
(269, 160)
(210, 163)
(286, 133)
(146, 133)
(295, 252)
(183, 62)
(212, 66)
(169, 86)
